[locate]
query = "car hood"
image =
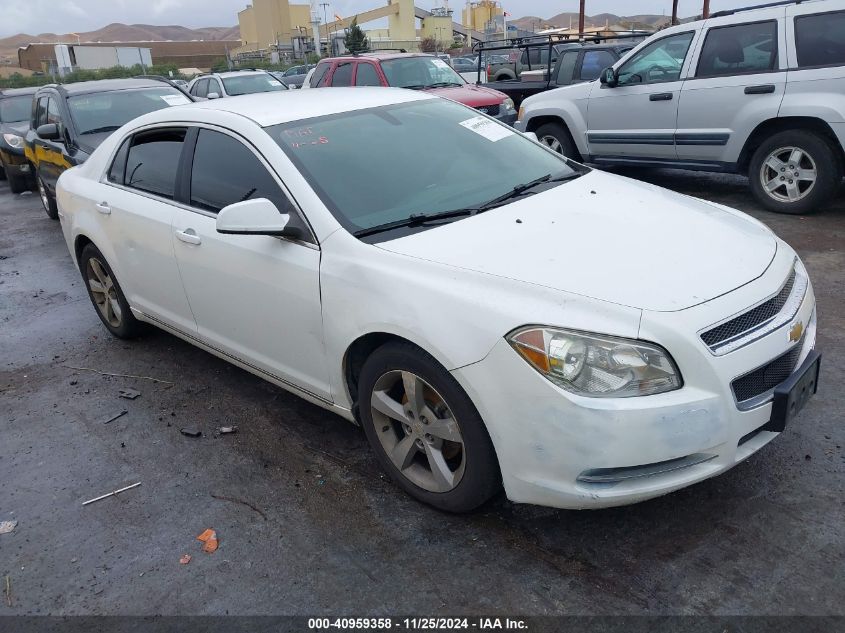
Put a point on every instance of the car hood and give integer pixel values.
(18, 127)
(89, 142)
(609, 238)
(473, 96)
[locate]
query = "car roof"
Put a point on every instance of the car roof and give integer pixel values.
(107, 85)
(380, 56)
(272, 108)
(17, 92)
(235, 73)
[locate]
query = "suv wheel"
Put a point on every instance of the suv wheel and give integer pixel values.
(425, 431)
(48, 202)
(555, 137)
(794, 172)
(106, 295)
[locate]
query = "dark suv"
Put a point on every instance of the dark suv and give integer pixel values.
(69, 121)
(15, 109)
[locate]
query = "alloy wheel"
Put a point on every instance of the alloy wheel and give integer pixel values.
(42, 191)
(552, 143)
(103, 291)
(418, 431)
(788, 174)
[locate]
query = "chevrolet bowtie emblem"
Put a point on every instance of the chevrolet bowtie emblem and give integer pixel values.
(796, 332)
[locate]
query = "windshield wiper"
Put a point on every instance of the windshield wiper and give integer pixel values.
(414, 87)
(444, 84)
(521, 189)
(99, 130)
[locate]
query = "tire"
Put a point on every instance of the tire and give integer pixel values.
(3, 173)
(47, 201)
(796, 194)
(469, 471)
(111, 306)
(18, 184)
(556, 137)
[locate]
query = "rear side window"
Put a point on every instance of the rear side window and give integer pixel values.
(567, 67)
(118, 166)
(342, 76)
(153, 161)
(367, 75)
(319, 76)
(595, 62)
(820, 39)
(740, 49)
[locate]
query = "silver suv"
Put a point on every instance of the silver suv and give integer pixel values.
(757, 91)
(234, 83)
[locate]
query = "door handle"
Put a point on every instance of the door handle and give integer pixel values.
(189, 236)
(661, 96)
(766, 89)
(103, 207)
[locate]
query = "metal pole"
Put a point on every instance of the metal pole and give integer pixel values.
(705, 12)
(674, 12)
(581, 18)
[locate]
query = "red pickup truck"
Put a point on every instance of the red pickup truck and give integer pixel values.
(415, 71)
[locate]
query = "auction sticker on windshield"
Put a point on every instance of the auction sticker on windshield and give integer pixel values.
(490, 130)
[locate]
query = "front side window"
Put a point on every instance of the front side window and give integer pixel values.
(41, 112)
(15, 109)
(102, 112)
(405, 172)
(595, 62)
(153, 161)
(54, 114)
(820, 39)
(739, 49)
(200, 88)
(367, 75)
(225, 171)
(658, 62)
(419, 73)
(250, 84)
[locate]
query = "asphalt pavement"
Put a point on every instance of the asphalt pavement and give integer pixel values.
(307, 523)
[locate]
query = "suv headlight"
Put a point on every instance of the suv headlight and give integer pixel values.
(13, 140)
(596, 365)
(507, 104)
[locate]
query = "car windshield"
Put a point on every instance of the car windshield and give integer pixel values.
(251, 84)
(419, 73)
(13, 109)
(425, 157)
(106, 111)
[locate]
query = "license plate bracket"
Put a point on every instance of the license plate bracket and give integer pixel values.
(793, 393)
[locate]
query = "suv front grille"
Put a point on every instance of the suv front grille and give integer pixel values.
(755, 387)
(759, 320)
(492, 110)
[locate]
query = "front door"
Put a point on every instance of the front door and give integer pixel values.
(637, 117)
(255, 297)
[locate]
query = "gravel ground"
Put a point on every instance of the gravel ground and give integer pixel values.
(306, 521)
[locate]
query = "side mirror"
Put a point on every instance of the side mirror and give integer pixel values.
(609, 78)
(212, 95)
(252, 217)
(49, 132)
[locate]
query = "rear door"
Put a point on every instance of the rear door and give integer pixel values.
(637, 118)
(738, 81)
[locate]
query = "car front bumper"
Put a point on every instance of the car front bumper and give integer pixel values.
(562, 450)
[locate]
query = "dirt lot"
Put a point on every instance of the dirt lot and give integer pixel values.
(307, 523)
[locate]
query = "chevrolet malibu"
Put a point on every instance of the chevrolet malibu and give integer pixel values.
(507, 319)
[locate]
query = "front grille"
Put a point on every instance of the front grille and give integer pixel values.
(492, 110)
(750, 388)
(751, 319)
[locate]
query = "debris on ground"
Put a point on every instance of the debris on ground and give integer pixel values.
(7, 526)
(112, 493)
(226, 430)
(115, 416)
(8, 590)
(242, 502)
(106, 373)
(209, 539)
(129, 394)
(190, 432)
(186, 558)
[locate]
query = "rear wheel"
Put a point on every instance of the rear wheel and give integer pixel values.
(795, 172)
(425, 431)
(555, 137)
(47, 201)
(106, 295)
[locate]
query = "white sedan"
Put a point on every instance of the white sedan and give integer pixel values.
(504, 318)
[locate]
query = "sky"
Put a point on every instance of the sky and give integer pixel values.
(65, 16)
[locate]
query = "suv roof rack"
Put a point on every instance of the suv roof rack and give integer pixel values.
(768, 5)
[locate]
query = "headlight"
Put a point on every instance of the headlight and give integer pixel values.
(13, 140)
(596, 365)
(507, 104)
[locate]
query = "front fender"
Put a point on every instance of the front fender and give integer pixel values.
(567, 105)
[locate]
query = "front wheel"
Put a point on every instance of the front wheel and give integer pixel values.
(425, 431)
(106, 295)
(794, 172)
(556, 138)
(47, 201)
